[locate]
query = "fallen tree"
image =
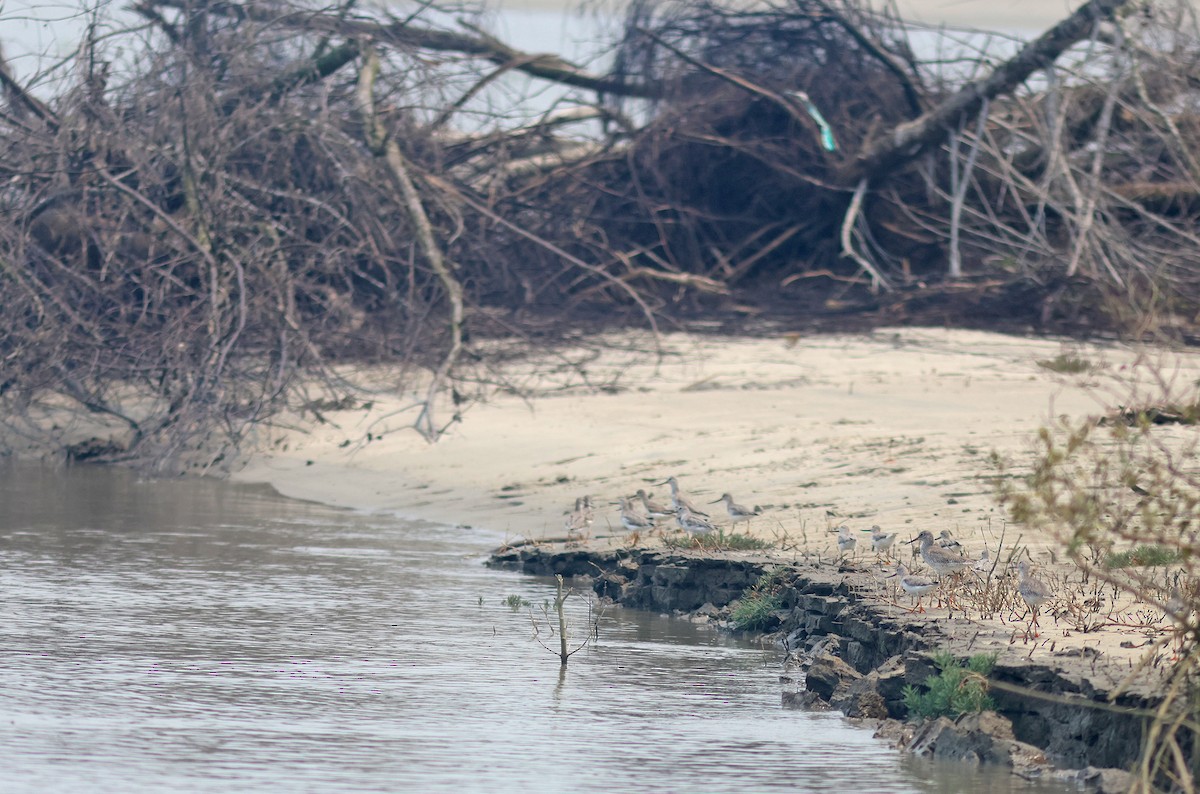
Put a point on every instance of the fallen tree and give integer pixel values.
(254, 194)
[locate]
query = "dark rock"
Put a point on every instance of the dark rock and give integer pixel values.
(1075, 735)
(858, 656)
(895, 732)
(671, 574)
(1105, 781)
(924, 741)
(795, 640)
(877, 695)
(869, 704)
(829, 674)
(610, 585)
(818, 646)
(825, 613)
(861, 629)
(890, 680)
(817, 587)
(819, 624)
(628, 567)
(93, 448)
(809, 701)
(860, 698)
(983, 738)
(918, 667)
(821, 605)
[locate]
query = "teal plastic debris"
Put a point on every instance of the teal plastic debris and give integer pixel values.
(827, 139)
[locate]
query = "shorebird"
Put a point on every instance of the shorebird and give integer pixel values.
(1033, 591)
(678, 499)
(946, 541)
(654, 509)
(632, 520)
(845, 542)
(913, 585)
(942, 561)
(881, 542)
(983, 564)
(736, 512)
(1183, 619)
(692, 523)
(579, 519)
(1178, 611)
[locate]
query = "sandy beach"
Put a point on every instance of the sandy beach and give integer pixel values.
(893, 428)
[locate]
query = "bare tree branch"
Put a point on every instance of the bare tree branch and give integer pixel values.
(909, 140)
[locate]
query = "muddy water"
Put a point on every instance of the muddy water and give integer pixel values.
(195, 636)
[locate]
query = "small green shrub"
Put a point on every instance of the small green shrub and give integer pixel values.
(1064, 364)
(515, 603)
(1124, 481)
(759, 602)
(957, 689)
(1143, 555)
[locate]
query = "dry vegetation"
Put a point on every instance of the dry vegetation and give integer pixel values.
(1121, 496)
(206, 211)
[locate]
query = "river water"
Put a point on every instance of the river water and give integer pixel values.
(199, 636)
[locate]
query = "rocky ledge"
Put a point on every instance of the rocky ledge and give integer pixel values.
(1056, 714)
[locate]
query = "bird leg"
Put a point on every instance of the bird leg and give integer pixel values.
(1033, 622)
(950, 602)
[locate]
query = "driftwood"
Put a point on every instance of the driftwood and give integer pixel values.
(384, 145)
(21, 101)
(187, 241)
(909, 140)
(405, 33)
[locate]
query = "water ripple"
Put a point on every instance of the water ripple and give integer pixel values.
(193, 636)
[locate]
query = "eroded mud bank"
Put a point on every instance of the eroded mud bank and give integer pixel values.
(849, 648)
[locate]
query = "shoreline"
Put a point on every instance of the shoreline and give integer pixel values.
(849, 650)
(893, 427)
(887, 426)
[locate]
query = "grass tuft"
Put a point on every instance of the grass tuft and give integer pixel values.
(1144, 555)
(731, 542)
(756, 608)
(719, 541)
(1064, 364)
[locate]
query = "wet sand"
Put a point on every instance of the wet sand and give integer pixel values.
(894, 428)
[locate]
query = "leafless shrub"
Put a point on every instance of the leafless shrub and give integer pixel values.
(215, 207)
(1121, 497)
(1084, 179)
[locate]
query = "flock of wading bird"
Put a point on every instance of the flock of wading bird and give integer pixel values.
(945, 556)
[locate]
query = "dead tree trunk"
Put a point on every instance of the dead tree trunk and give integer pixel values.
(384, 145)
(907, 141)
